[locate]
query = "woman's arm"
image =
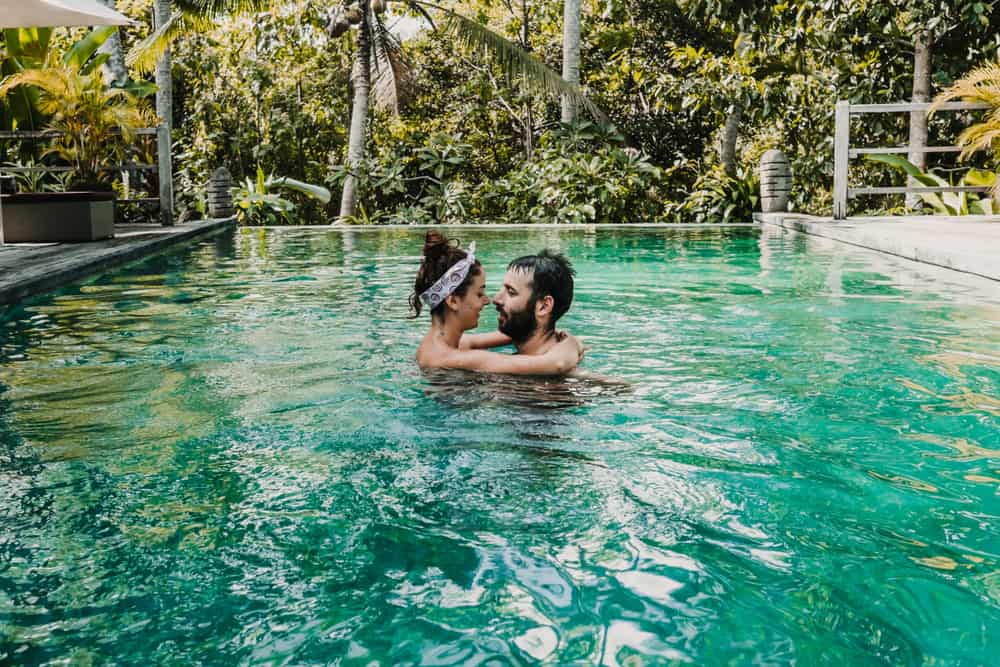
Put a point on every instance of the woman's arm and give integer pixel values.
(560, 359)
(483, 341)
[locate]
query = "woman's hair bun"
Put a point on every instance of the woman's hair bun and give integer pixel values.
(435, 245)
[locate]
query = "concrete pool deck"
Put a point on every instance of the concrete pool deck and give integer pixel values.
(27, 269)
(970, 244)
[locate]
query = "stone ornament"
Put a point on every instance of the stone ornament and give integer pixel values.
(775, 182)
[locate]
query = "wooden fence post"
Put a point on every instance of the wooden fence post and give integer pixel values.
(841, 157)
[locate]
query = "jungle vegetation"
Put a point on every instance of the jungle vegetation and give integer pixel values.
(467, 119)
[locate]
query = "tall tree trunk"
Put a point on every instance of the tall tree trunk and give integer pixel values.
(730, 134)
(571, 54)
(529, 121)
(361, 80)
(918, 119)
(165, 110)
(115, 72)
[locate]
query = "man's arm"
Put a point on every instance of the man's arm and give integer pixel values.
(483, 341)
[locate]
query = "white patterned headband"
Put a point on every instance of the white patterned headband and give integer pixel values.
(452, 278)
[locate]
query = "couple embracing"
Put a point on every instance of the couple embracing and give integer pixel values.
(536, 291)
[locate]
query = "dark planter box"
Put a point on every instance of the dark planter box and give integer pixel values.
(46, 217)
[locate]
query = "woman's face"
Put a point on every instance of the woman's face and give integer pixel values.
(473, 302)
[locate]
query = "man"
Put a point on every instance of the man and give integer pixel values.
(537, 290)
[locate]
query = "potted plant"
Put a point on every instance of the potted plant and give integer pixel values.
(95, 124)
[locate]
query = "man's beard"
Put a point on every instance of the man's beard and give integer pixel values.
(519, 325)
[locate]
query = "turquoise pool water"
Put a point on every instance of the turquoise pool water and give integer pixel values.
(226, 455)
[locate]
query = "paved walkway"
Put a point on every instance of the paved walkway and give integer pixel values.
(31, 268)
(970, 244)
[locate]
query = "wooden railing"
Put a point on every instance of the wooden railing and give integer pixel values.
(8, 171)
(843, 153)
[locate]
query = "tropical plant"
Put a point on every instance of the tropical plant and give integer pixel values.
(33, 48)
(257, 203)
(563, 183)
(29, 178)
(94, 123)
(719, 197)
(948, 203)
(182, 18)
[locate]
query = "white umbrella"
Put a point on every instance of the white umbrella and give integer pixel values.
(45, 13)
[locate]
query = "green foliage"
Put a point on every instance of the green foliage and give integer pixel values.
(39, 181)
(95, 122)
(718, 197)
(257, 204)
(579, 174)
(576, 176)
(471, 142)
(981, 85)
(266, 89)
(947, 203)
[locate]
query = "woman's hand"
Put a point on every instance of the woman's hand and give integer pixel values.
(567, 336)
(566, 354)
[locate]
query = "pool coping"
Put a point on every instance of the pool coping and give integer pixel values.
(967, 244)
(42, 267)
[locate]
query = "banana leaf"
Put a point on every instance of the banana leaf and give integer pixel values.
(78, 54)
(314, 191)
(980, 177)
(943, 206)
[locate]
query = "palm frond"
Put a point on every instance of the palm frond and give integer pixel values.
(979, 137)
(393, 73)
(209, 8)
(143, 56)
(980, 85)
(415, 6)
(54, 81)
(513, 59)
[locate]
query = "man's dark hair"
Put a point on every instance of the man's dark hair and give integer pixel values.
(551, 275)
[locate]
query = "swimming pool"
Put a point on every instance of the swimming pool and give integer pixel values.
(225, 454)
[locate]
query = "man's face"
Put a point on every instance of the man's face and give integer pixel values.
(515, 306)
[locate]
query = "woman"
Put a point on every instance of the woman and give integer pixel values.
(452, 284)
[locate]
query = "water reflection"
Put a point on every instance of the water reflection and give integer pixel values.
(464, 389)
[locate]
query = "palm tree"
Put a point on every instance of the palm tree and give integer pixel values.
(377, 47)
(571, 53)
(165, 110)
(361, 81)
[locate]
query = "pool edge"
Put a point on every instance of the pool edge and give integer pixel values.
(966, 244)
(86, 260)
